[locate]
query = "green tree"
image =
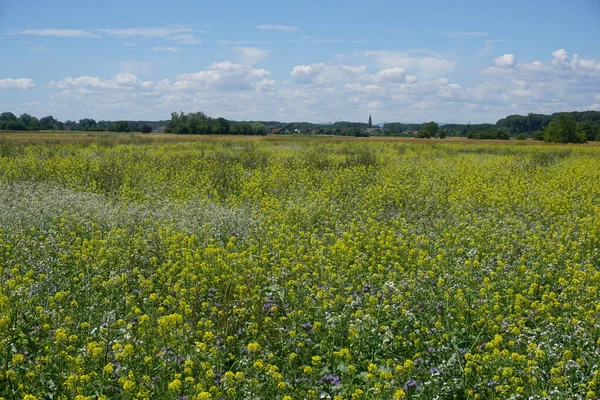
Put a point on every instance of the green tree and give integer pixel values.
(147, 128)
(120, 126)
(49, 123)
(7, 116)
(428, 130)
(259, 129)
(220, 126)
(34, 124)
(442, 134)
(564, 129)
(25, 119)
(87, 124)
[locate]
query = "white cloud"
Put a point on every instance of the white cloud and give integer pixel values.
(560, 57)
(362, 69)
(223, 75)
(21, 84)
(251, 55)
(65, 33)
(119, 82)
(307, 74)
(463, 34)
(186, 38)
(487, 47)
(284, 28)
(395, 86)
(229, 42)
(396, 74)
(148, 33)
(136, 68)
(580, 64)
(316, 40)
(505, 61)
(170, 49)
(427, 66)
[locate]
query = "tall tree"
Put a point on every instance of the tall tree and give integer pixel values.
(428, 130)
(564, 129)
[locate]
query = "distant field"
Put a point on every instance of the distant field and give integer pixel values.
(115, 137)
(184, 267)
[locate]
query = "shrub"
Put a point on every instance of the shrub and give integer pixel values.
(147, 129)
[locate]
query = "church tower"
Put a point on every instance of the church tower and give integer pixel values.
(370, 121)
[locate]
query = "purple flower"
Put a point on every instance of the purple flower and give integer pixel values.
(330, 379)
(270, 302)
(435, 371)
(411, 384)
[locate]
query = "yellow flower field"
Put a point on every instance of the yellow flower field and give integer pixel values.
(138, 268)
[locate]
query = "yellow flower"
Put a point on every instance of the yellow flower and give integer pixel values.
(108, 368)
(253, 347)
(175, 385)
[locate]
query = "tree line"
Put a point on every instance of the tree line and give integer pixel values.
(27, 122)
(582, 125)
(200, 124)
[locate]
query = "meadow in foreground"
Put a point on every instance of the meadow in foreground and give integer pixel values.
(298, 269)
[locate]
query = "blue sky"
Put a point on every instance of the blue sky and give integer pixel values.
(315, 61)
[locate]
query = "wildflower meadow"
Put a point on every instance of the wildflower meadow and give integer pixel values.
(133, 267)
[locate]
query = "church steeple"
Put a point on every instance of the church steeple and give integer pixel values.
(370, 121)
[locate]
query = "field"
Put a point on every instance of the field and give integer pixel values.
(160, 267)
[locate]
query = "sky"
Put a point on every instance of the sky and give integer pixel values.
(290, 60)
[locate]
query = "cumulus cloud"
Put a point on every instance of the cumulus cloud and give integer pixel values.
(119, 82)
(65, 33)
(22, 83)
(223, 75)
(307, 74)
(354, 70)
(251, 55)
(427, 66)
(396, 74)
(560, 57)
(354, 84)
(505, 61)
(284, 28)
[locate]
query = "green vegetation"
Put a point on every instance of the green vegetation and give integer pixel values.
(173, 267)
(428, 130)
(513, 126)
(490, 134)
(564, 129)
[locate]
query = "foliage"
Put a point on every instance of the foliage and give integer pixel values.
(489, 134)
(521, 136)
(276, 268)
(120, 126)
(146, 128)
(428, 130)
(564, 129)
